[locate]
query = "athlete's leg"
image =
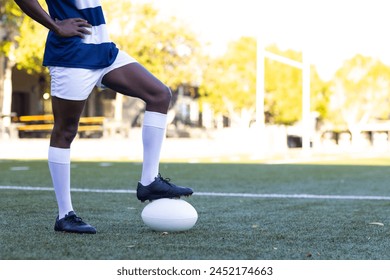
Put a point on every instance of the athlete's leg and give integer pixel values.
(66, 118)
(134, 80)
(70, 88)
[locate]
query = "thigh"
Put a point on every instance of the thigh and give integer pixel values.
(134, 80)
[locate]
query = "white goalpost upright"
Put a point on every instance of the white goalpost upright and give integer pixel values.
(304, 66)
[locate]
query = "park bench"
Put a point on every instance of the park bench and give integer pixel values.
(40, 126)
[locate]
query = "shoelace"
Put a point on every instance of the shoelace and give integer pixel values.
(165, 180)
(74, 218)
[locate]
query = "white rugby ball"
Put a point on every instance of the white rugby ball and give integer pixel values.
(169, 215)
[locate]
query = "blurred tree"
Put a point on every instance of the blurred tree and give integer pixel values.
(283, 89)
(10, 18)
(30, 41)
(360, 93)
(165, 46)
(229, 84)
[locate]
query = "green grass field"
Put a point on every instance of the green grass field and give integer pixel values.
(246, 211)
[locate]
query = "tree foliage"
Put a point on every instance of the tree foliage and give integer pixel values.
(283, 88)
(165, 46)
(31, 43)
(10, 19)
(229, 83)
(360, 92)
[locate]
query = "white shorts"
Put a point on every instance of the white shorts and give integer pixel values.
(78, 83)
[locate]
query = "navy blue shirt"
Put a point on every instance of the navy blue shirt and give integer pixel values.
(92, 52)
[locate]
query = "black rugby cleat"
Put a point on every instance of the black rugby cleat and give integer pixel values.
(161, 188)
(72, 223)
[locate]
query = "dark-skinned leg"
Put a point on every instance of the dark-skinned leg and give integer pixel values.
(134, 80)
(66, 118)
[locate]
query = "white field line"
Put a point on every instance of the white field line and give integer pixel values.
(242, 195)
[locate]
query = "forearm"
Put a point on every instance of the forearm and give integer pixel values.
(33, 9)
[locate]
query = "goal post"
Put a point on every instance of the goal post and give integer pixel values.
(304, 66)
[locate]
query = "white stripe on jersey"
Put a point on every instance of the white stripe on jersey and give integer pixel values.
(99, 34)
(83, 4)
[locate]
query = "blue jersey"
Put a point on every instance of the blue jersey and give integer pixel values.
(92, 52)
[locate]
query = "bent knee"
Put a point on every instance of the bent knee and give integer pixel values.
(161, 98)
(64, 136)
(166, 95)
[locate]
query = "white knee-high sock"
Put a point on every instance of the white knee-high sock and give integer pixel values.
(153, 134)
(59, 166)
